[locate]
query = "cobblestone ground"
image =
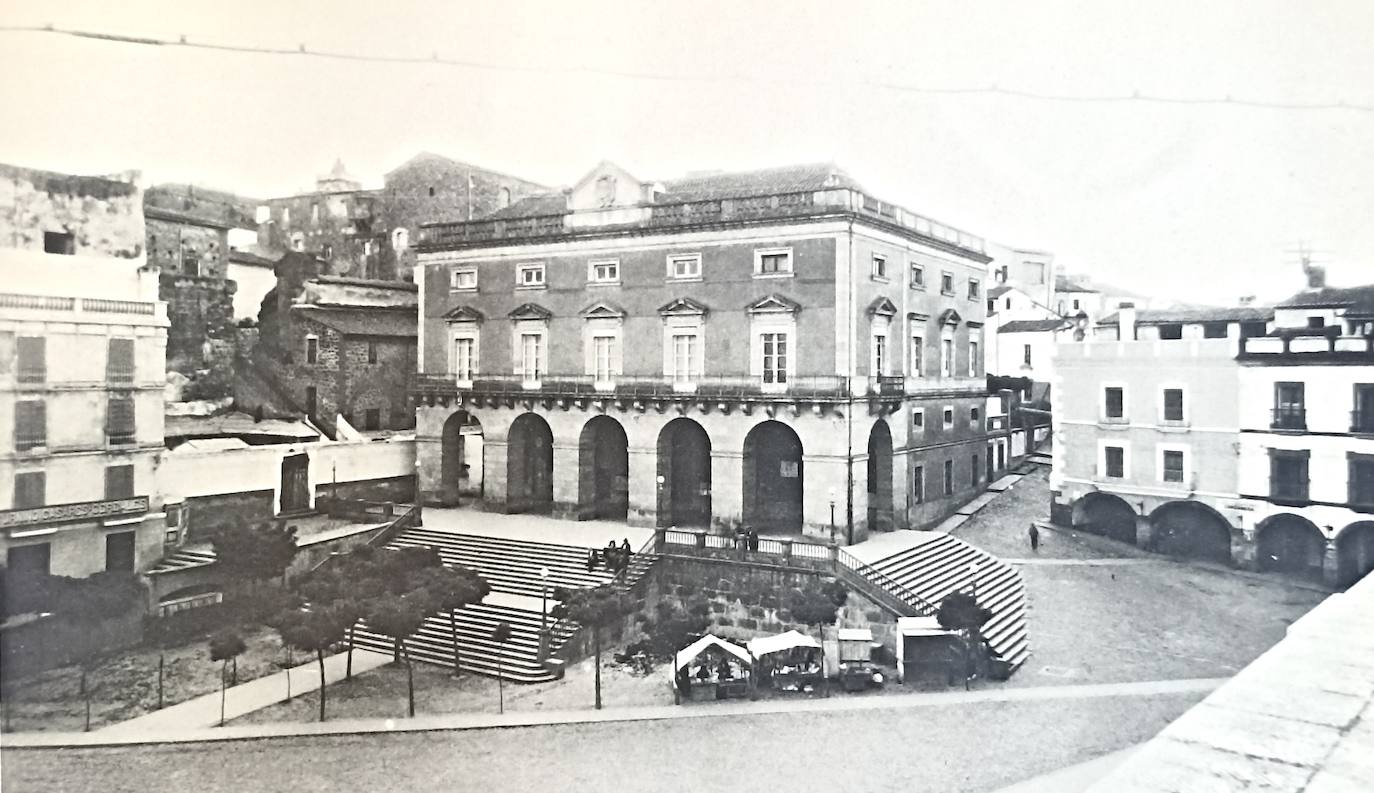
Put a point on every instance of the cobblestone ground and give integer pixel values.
(1129, 616)
(956, 749)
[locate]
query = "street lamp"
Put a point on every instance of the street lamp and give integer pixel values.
(543, 612)
(832, 516)
(973, 573)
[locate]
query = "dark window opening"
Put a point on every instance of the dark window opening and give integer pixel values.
(1288, 475)
(918, 485)
(30, 489)
(311, 400)
(1214, 330)
(119, 361)
(973, 477)
(1362, 480)
(949, 477)
(1173, 466)
(1115, 403)
(372, 352)
(1173, 404)
(119, 420)
(119, 482)
(1116, 462)
(30, 425)
(946, 284)
(59, 242)
(1316, 323)
(119, 552)
(190, 264)
(1290, 410)
(1171, 332)
(32, 352)
(29, 561)
(1252, 329)
(372, 419)
(431, 192)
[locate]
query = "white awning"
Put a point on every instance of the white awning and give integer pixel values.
(856, 635)
(687, 654)
(763, 645)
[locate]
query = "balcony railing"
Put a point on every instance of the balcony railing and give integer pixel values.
(1289, 418)
(1362, 421)
(67, 513)
(652, 386)
(1314, 347)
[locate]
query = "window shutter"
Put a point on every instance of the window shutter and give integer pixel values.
(120, 420)
(119, 363)
(33, 359)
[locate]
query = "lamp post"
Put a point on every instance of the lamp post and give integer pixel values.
(832, 516)
(543, 613)
(973, 573)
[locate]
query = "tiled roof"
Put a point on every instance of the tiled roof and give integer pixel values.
(999, 290)
(533, 206)
(1032, 325)
(363, 321)
(233, 424)
(1198, 314)
(1331, 297)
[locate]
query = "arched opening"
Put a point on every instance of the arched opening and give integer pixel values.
(684, 473)
(603, 475)
(880, 477)
(1290, 544)
(295, 483)
(1105, 514)
(1191, 530)
(773, 478)
(460, 458)
(1355, 551)
(529, 465)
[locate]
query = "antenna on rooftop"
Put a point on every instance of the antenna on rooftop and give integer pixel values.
(1313, 262)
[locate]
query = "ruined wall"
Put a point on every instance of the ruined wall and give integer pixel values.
(202, 331)
(104, 216)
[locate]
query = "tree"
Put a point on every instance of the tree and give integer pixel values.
(672, 627)
(960, 612)
(500, 634)
(450, 589)
(87, 603)
(251, 555)
(312, 630)
(818, 605)
(595, 608)
(399, 616)
(225, 646)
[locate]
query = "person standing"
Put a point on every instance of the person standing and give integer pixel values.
(1034, 538)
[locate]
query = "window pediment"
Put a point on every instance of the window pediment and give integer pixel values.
(950, 317)
(602, 310)
(530, 311)
(773, 304)
(882, 307)
(463, 314)
(683, 307)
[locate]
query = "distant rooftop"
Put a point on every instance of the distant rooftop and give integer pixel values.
(364, 320)
(1359, 298)
(1034, 325)
(1187, 316)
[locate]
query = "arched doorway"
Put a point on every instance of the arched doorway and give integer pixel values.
(459, 457)
(1191, 530)
(529, 465)
(1105, 514)
(773, 478)
(684, 471)
(1290, 544)
(1355, 551)
(880, 477)
(603, 470)
(295, 483)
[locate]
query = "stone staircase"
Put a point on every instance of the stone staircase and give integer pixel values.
(942, 565)
(512, 568)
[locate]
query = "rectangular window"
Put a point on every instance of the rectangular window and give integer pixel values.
(1173, 404)
(1026, 354)
(1290, 406)
(312, 400)
(372, 419)
(949, 418)
(190, 263)
(119, 420)
(119, 482)
(372, 352)
(463, 280)
(773, 262)
(918, 345)
(464, 358)
(1362, 417)
(1288, 475)
(974, 289)
(1362, 480)
(312, 349)
(29, 561)
(918, 418)
(686, 356)
(603, 356)
(949, 477)
(879, 355)
(1173, 465)
(1115, 462)
(918, 276)
(30, 425)
(1171, 332)
(973, 359)
(684, 267)
(606, 271)
(947, 357)
(1114, 399)
(119, 552)
(973, 474)
(531, 355)
(947, 283)
(1214, 330)
(1075, 305)
(1316, 323)
(974, 416)
(30, 489)
(32, 364)
(918, 484)
(59, 242)
(775, 357)
(530, 275)
(879, 266)
(119, 361)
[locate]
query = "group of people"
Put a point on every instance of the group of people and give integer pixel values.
(616, 558)
(747, 539)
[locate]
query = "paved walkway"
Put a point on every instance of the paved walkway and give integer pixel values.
(1074, 778)
(1088, 562)
(534, 528)
(202, 712)
(484, 721)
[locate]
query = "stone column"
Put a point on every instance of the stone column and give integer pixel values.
(494, 474)
(644, 487)
(1331, 564)
(727, 484)
(1144, 533)
(566, 478)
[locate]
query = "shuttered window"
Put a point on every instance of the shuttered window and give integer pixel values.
(119, 482)
(33, 359)
(30, 425)
(119, 363)
(119, 422)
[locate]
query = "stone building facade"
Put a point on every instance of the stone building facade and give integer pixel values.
(369, 233)
(772, 347)
(82, 345)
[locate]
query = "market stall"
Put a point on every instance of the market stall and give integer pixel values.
(925, 651)
(712, 668)
(857, 670)
(789, 661)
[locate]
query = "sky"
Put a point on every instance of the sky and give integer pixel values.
(1197, 202)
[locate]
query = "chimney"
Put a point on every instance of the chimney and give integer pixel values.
(1125, 322)
(1316, 276)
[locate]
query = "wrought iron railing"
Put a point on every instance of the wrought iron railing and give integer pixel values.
(1289, 418)
(659, 386)
(874, 582)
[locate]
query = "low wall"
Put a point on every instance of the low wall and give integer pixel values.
(400, 489)
(202, 516)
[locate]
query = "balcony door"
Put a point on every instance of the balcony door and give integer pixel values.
(295, 483)
(1364, 408)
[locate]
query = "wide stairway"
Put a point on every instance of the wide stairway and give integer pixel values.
(942, 565)
(512, 567)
